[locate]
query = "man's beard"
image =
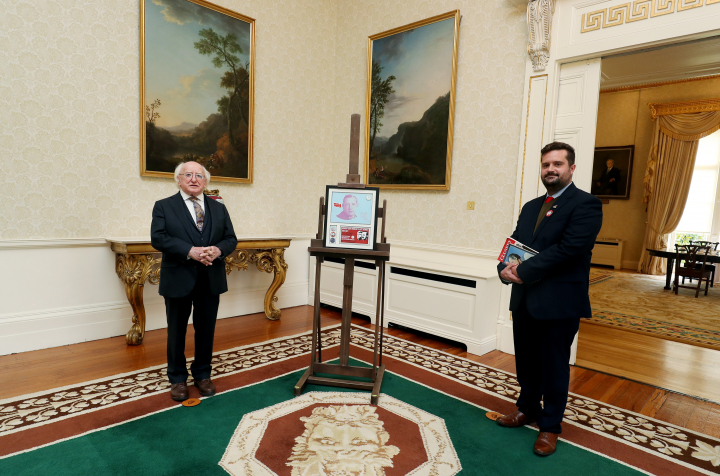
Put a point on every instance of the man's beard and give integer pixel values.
(557, 185)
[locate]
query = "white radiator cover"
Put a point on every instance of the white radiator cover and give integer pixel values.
(458, 312)
(608, 251)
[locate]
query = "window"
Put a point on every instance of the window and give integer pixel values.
(701, 217)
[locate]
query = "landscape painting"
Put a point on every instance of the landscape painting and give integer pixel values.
(197, 64)
(411, 103)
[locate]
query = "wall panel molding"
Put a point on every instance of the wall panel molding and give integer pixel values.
(51, 243)
(77, 296)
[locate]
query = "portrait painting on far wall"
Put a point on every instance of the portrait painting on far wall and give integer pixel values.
(410, 104)
(612, 171)
(197, 75)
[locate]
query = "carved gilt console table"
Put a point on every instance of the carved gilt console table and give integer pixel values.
(136, 261)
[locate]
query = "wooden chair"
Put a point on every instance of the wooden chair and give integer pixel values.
(691, 266)
(713, 245)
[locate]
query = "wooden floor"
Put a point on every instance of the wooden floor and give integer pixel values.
(50, 368)
(684, 368)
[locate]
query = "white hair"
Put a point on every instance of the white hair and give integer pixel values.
(180, 167)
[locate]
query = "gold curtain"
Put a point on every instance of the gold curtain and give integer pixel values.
(669, 172)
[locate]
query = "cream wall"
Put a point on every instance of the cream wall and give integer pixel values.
(70, 115)
(491, 67)
(70, 118)
(69, 142)
(624, 119)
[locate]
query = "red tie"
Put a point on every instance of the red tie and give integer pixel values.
(549, 199)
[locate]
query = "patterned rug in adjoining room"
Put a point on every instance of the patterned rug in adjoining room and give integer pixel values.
(430, 421)
(639, 303)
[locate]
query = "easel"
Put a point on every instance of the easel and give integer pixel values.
(380, 256)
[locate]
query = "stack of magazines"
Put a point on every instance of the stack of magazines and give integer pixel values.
(515, 252)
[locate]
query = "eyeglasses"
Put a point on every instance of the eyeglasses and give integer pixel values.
(190, 176)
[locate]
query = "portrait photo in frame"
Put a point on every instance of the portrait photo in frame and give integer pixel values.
(351, 218)
(612, 172)
(410, 104)
(197, 64)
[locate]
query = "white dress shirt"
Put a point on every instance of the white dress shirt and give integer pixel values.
(190, 204)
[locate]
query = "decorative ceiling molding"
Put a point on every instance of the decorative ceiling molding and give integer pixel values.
(635, 11)
(539, 20)
(665, 109)
(656, 84)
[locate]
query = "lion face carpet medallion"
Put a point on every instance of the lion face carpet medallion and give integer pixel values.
(339, 434)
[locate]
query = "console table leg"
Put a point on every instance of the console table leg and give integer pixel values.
(272, 261)
(134, 270)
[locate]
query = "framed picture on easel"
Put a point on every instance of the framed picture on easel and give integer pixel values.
(351, 217)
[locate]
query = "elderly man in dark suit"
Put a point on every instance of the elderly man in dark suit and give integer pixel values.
(550, 293)
(195, 234)
(609, 180)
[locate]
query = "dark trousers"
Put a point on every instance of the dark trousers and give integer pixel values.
(542, 359)
(204, 306)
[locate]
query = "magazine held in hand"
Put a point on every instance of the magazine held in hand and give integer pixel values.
(515, 252)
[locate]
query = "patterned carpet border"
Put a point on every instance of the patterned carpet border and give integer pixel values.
(666, 330)
(599, 278)
(27, 411)
(685, 447)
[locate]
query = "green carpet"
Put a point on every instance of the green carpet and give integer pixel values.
(191, 441)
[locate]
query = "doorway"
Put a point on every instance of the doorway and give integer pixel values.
(640, 330)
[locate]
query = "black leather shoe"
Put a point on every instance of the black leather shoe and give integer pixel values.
(514, 420)
(179, 391)
(205, 386)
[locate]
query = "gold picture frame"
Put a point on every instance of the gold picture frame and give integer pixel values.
(414, 157)
(197, 62)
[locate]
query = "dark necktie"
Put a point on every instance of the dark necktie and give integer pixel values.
(543, 210)
(199, 213)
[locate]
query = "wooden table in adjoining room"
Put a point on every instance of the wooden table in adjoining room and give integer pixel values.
(136, 261)
(670, 256)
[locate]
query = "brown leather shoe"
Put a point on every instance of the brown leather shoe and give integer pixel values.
(514, 420)
(179, 391)
(206, 387)
(545, 443)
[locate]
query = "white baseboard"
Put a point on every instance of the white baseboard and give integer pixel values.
(505, 337)
(24, 332)
(630, 264)
(78, 297)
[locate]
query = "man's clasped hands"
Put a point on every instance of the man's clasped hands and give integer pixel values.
(510, 274)
(206, 255)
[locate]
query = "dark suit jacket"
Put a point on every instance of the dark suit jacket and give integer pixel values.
(556, 280)
(173, 232)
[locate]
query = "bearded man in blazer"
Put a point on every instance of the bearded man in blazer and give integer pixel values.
(550, 293)
(194, 234)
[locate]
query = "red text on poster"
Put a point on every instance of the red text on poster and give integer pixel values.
(354, 234)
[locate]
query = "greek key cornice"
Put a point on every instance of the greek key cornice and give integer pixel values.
(636, 11)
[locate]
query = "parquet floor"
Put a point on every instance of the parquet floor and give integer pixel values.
(45, 369)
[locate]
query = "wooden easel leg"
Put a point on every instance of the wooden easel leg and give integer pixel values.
(379, 265)
(375, 395)
(316, 312)
(300, 386)
(315, 346)
(346, 311)
(382, 315)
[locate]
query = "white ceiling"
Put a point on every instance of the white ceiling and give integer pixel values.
(685, 60)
